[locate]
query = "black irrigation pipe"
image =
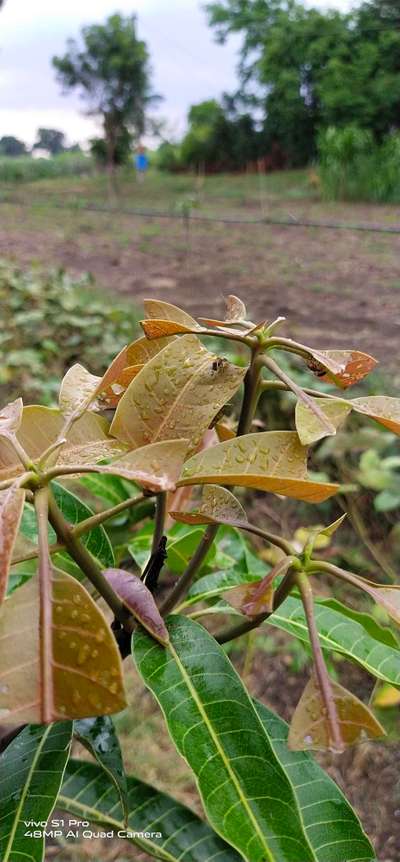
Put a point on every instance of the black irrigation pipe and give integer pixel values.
(291, 221)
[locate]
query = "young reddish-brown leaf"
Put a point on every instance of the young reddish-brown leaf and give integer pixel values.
(273, 461)
(224, 431)
(125, 366)
(140, 602)
(342, 367)
(308, 424)
(10, 417)
(156, 467)
(176, 395)
(78, 390)
(384, 409)
(218, 506)
(87, 441)
(159, 310)
(257, 598)
(235, 313)
(310, 728)
(83, 660)
(110, 396)
(157, 328)
(11, 507)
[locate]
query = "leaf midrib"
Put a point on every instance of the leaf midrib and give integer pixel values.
(221, 752)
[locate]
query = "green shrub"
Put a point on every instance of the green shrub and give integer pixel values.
(25, 169)
(354, 167)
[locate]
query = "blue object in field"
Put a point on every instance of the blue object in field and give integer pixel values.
(141, 162)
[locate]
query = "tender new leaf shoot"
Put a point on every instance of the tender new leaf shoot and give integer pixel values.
(138, 598)
(257, 598)
(83, 661)
(384, 409)
(87, 441)
(319, 537)
(310, 728)
(309, 426)
(344, 368)
(88, 794)
(159, 310)
(99, 736)
(218, 506)
(273, 461)
(215, 727)
(10, 417)
(11, 508)
(32, 769)
(235, 313)
(78, 390)
(156, 467)
(177, 394)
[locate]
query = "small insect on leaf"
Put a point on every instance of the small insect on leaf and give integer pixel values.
(255, 599)
(138, 598)
(344, 368)
(310, 728)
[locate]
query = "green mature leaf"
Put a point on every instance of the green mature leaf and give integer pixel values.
(246, 794)
(331, 825)
(99, 736)
(273, 461)
(182, 836)
(31, 772)
(175, 395)
(110, 489)
(180, 547)
(211, 586)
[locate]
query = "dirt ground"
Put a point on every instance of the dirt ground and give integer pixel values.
(335, 287)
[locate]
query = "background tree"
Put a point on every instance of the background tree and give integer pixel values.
(11, 146)
(51, 140)
(111, 71)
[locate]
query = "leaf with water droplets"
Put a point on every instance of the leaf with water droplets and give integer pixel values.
(32, 769)
(125, 366)
(310, 728)
(79, 676)
(176, 395)
(99, 737)
(10, 417)
(11, 508)
(384, 409)
(218, 506)
(309, 426)
(273, 461)
(156, 467)
(342, 367)
(78, 390)
(138, 598)
(256, 598)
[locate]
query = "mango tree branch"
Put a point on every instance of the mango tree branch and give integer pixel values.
(86, 562)
(321, 673)
(161, 511)
(185, 581)
(251, 394)
(272, 385)
(301, 395)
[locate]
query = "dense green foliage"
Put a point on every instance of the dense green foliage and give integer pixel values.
(111, 71)
(51, 140)
(354, 166)
(26, 169)
(306, 69)
(11, 146)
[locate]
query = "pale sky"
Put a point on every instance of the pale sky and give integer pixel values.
(188, 66)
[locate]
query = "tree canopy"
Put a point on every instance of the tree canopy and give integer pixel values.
(11, 146)
(51, 140)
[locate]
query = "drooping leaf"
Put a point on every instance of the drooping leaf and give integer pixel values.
(78, 389)
(72, 659)
(176, 395)
(11, 508)
(218, 732)
(331, 825)
(157, 824)
(31, 773)
(257, 598)
(384, 409)
(10, 417)
(218, 506)
(156, 467)
(99, 736)
(273, 461)
(310, 728)
(344, 368)
(138, 598)
(309, 426)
